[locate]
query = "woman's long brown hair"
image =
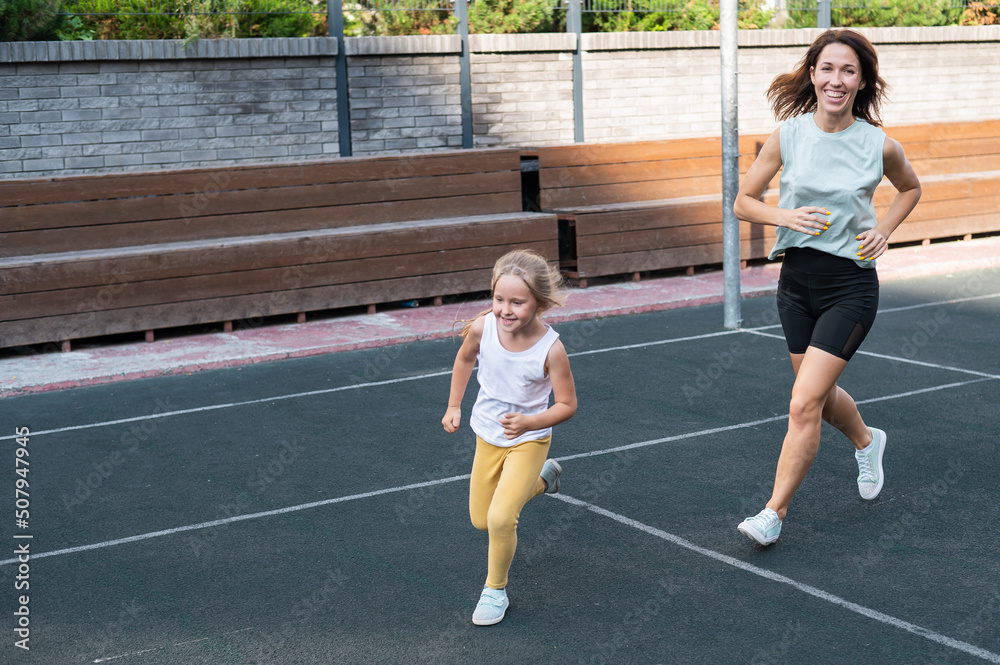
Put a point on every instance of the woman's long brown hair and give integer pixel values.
(793, 94)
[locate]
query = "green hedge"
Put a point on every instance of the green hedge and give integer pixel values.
(27, 20)
(40, 19)
(696, 15)
(884, 14)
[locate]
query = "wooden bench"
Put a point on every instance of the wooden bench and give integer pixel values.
(92, 256)
(959, 169)
(633, 207)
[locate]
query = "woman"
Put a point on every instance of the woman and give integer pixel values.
(832, 156)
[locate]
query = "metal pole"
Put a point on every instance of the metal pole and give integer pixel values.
(574, 25)
(335, 28)
(730, 166)
(823, 15)
(464, 71)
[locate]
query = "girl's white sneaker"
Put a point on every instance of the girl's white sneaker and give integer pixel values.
(492, 606)
(550, 474)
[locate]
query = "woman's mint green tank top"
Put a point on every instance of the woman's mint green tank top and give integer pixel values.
(837, 171)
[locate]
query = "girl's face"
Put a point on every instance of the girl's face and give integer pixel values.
(513, 304)
(836, 78)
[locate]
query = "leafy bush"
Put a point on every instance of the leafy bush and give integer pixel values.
(27, 20)
(189, 22)
(692, 15)
(424, 22)
(39, 19)
(74, 29)
(511, 16)
(985, 12)
(886, 14)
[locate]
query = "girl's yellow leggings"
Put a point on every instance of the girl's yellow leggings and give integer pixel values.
(503, 480)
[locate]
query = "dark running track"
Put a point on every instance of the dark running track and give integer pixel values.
(314, 511)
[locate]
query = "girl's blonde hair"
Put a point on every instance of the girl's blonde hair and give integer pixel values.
(543, 280)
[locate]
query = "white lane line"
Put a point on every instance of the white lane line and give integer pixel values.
(442, 481)
(762, 421)
(418, 377)
(169, 646)
(909, 361)
(882, 617)
(229, 405)
(658, 342)
(238, 518)
(324, 391)
(953, 301)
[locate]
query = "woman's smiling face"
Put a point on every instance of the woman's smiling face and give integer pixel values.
(836, 77)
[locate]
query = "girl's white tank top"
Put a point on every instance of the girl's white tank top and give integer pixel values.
(510, 382)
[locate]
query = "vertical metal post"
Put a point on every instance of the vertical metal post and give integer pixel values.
(464, 71)
(574, 25)
(730, 166)
(823, 15)
(335, 28)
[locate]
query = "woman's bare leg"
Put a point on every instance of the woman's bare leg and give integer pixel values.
(815, 397)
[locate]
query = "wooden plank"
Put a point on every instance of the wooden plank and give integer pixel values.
(93, 324)
(945, 209)
(617, 153)
(76, 326)
(757, 242)
(656, 239)
(944, 188)
(192, 181)
(946, 227)
(138, 233)
(47, 272)
(661, 259)
(931, 148)
(664, 189)
(942, 131)
(635, 172)
(653, 239)
(634, 206)
(125, 295)
(292, 199)
(967, 164)
(658, 217)
(641, 151)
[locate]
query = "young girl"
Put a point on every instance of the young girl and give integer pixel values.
(832, 155)
(521, 361)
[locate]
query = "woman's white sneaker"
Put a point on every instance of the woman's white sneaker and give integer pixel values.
(870, 476)
(764, 527)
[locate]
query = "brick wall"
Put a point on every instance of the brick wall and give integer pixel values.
(128, 111)
(404, 94)
(638, 95)
(522, 89)
(68, 108)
